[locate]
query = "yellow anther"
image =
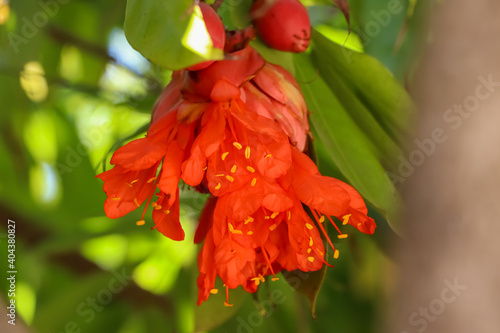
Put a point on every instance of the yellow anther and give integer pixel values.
(289, 215)
(227, 304)
(205, 168)
(158, 207)
(234, 231)
(214, 291)
(273, 215)
(128, 184)
(336, 254)
(273, 227)
(237, 145)
(224, 155)
(311, 259)
(249, 168)
(134, 181)
(342, 236)
(309, 250)
(150, 180)
(311, 241)
(309, 226)
(117, 198)
(266, 217)
(218, 186)
(141, 222)
(247, 152)
(257, 280)
(275, 279)
(322, 219)
(136, 202)
(320, 252)
(250, 233)
(346, 219)
(360, 224)
(268, 155)
(254, 181)
(154, 204)
(230, 178)
(167, 211)
(233, 169)
(249, 219)
(220, 175)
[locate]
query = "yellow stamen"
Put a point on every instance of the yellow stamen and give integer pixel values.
(214, 291)
(254, 181)
(227, 304)
(342, 236)
(233, 169)
(322, 219)
(134, 181)
(224, 155)
(158, 207)
(249, 168)
(230, 178)
(167, 211)
(249, 219)
(128, 184)
(141, 222)
(346, 219)
(275, 279)
(310, 227)
(250, 233)
(150, 180)
(136, 202)
(218, 186)
(336, 254)
(234, 231)
(266, 217)
(311, 259)
(237, 145)
(205, 168)
(289, 215)
(309, 250)
(273, 215)
(219, 175)
(273, 227)
(118, 198)
(268, 155)
(311, 241)
(257, 280)
(247, 152)
(319, 252)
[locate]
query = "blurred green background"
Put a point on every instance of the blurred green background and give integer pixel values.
(72, 90)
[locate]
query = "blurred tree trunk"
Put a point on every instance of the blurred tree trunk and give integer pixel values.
(450, 260)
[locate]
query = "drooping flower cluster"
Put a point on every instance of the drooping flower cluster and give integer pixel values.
(238, 130)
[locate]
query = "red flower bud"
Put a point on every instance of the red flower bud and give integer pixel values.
(216, 31)
(282, 24)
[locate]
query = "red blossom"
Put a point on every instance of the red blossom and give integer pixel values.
(237, 130)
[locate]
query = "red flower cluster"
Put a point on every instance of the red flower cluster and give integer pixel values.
(238, 130)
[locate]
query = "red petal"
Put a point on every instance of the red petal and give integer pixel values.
(126, 190)
(171, 172)
(206, 220)
(224, 90)
(139, 154)
(167, 221)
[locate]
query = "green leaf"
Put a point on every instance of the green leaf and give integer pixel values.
(170, 33)
(370, 82)
(308, 284)
(348, 146)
